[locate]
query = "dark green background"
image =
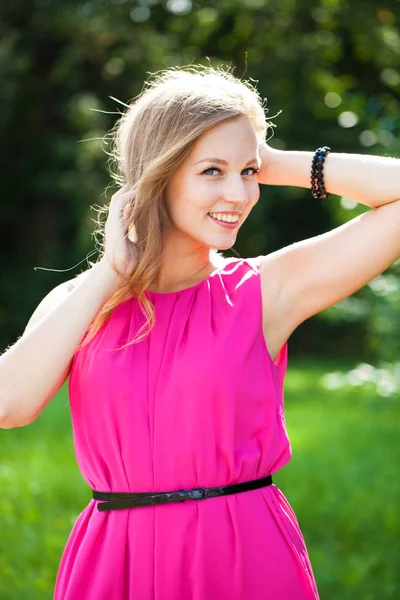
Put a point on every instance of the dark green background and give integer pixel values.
(61, 61)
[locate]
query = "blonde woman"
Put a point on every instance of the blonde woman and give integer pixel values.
(176, 388)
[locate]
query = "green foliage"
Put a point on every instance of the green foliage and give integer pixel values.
(331, 67)
(342, 484)
(328, 65)
(378, 304)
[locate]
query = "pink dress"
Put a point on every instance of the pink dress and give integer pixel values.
(198, 403)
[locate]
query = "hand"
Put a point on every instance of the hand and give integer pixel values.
(270, 158)
(119, 245)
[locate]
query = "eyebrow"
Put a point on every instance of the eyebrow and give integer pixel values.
(222, 162)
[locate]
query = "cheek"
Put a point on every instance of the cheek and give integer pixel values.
(178, 197)
(183, 208)
(203, 189)
(254, 193)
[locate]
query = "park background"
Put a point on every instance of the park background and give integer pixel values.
(332, 68)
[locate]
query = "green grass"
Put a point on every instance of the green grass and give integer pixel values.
(343, 484)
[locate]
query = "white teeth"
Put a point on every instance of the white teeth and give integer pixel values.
(227, 218)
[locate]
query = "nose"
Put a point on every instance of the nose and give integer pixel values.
(235, 191)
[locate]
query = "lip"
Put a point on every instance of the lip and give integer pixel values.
(227, 212)
(223, 223)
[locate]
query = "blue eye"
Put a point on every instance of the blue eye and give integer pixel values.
(255, 171)
(207, 171)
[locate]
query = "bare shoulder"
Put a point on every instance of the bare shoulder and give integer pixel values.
(277, 324)
(53, 298)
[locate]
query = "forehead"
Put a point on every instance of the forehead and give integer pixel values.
(230, 138)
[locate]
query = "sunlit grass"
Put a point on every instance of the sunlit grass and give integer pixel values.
(343, 483)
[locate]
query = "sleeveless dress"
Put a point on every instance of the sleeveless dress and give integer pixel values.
(197, 403)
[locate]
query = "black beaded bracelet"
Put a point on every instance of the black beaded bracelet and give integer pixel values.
(317, 173)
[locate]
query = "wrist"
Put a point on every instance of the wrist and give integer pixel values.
(286, 167)
(272, 165)
(110, 276)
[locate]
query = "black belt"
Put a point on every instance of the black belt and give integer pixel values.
(117, 500)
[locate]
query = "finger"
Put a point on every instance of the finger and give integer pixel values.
(119, 198)
(132, 234)
(126, 211)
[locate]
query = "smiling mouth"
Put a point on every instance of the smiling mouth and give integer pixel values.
(225, 224)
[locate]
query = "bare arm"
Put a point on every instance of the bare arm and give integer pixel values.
(367, 179)
(36, 366)
(309, 276)
(312, 275)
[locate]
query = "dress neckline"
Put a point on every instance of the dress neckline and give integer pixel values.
(196, 285)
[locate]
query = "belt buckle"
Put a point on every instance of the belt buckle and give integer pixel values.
(194, 494)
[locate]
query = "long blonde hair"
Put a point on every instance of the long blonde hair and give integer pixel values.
(149, 142)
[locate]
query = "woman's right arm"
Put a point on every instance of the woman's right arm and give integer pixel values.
(37, 365)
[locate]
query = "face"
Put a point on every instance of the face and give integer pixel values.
(217, 179)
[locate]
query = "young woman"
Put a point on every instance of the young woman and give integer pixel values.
(176, 389)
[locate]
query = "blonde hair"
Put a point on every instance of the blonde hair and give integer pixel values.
(149, 142)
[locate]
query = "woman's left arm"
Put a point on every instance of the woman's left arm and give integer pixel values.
(307, 277)
(369, 180)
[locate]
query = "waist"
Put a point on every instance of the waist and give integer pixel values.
(119, 500)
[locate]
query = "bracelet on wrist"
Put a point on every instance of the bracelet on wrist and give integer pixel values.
(317, 173)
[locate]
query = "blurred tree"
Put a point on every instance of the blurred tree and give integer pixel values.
(331, 66)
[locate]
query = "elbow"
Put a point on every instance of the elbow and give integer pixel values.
(3, 420)
(7, 422)
(15, 413)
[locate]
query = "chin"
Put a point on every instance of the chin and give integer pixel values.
(217, 242)
(225, 246)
